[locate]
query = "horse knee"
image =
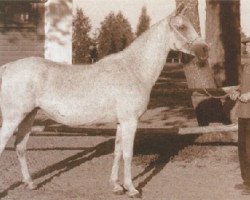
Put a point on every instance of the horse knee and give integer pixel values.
(21, 153)
(127, 156)
(20, 150)
(4, 138)
(20, 143)
(117, 154)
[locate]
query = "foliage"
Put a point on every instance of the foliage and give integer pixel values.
(115, 34)
(223, 24)
(144, 22)
(81, 39)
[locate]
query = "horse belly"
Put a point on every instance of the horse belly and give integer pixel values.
(78, 113)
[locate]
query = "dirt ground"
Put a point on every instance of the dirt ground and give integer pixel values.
(164, 167)
(78, 165)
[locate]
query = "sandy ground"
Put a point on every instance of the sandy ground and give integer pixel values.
(164, 167)
(78, 166)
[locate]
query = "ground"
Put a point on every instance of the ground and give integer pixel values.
(76, 164)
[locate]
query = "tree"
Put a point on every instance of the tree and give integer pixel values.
(81, 39)
(115, 34)
(223, 35)
(144, 22)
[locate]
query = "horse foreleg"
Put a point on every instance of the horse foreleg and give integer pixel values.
(128, 129)
(22, 137)
(117, 189)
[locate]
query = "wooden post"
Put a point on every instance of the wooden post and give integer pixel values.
(76, 131)
(223, 37)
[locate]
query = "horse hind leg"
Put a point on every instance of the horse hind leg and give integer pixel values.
(22, 136)
(9, 125)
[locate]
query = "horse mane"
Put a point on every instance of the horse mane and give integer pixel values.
(138, 43)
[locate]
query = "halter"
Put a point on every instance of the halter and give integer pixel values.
(188, 42)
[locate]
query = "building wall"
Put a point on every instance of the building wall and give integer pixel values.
(58, 30)
(21, 35)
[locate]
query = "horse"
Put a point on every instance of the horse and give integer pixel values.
(115, 89)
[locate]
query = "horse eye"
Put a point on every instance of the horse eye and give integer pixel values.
(182, 27)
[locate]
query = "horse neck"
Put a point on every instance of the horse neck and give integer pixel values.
(149, 52)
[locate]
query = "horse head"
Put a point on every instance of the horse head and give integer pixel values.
(184, 38)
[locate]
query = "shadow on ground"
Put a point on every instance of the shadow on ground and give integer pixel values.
(157, 147)
(67, 164)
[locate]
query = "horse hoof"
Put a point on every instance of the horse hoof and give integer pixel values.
(31, 186)
(118, 190)
(134, 194)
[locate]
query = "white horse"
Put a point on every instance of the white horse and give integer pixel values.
(115, 89)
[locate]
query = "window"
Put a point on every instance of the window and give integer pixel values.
(18, 14)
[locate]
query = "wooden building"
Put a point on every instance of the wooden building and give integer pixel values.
(35, 28)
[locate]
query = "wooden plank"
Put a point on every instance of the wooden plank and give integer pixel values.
(208, 129)
(4, 60)
(33, 46)
(190, 91)
(43, 131)
(32, 1)
(17, 54)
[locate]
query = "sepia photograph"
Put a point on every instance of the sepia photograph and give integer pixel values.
(124, 99)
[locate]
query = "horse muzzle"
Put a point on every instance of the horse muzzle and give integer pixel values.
(200, 50)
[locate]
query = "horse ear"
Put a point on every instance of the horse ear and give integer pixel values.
(180, 9)
(183, 11)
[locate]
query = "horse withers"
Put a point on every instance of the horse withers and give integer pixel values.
(115, 89)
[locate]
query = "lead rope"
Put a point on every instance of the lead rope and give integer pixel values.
(215, 97)
(210, 95)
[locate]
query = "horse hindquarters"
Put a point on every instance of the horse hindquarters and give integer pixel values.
(16, 117)
(17, 105)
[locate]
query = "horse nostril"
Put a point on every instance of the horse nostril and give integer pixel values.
(201, 50)
(205, 50)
